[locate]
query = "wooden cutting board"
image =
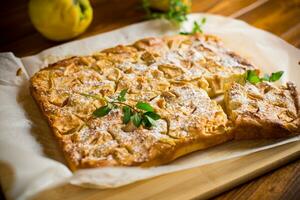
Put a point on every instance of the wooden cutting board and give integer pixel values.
(200, 182)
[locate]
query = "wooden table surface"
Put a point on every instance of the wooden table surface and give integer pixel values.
(281, 17)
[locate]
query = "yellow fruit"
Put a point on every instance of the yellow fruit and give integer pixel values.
(164, 5)
(60, 19)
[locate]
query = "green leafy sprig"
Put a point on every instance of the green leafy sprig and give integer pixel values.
(142, 114)
(253, 77)
(176, 13)
(197, 28)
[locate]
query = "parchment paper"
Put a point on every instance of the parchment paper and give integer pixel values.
(30, 159)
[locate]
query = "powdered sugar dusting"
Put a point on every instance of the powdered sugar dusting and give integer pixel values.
(170, 77)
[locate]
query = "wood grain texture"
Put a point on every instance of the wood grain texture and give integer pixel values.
(281, 17)
(197, 183)
(283, 183)
(277, 16)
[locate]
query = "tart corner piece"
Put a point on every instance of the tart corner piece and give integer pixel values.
(263, 110)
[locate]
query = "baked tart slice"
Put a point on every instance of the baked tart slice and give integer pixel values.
(263, 110)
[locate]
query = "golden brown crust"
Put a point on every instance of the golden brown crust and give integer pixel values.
(263, 110)
(173, 73)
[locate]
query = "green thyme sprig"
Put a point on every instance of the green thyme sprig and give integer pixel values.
(177, 12)
(197, 28)
(141, 114)
(253, 77)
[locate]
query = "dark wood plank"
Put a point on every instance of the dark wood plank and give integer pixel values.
(108, 15)
(275, 16)
(111, 14)
(228, 7)
(292, 35)
(14, 21)
(283, 184)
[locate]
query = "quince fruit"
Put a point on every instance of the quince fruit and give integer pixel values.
(60, 20)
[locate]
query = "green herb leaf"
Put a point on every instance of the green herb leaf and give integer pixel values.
(265, 78)
(145, 115)
(252, 77)
(126, 114)
(102, 111)
(184, 33)
(136, 119)
(144, 106)
(197, 28)
(275, 76)
(176, 13)
(147, 121)
(121, 96)
(153, 115)
(150, 120)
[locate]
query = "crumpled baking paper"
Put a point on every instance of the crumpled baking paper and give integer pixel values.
(30, 159)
